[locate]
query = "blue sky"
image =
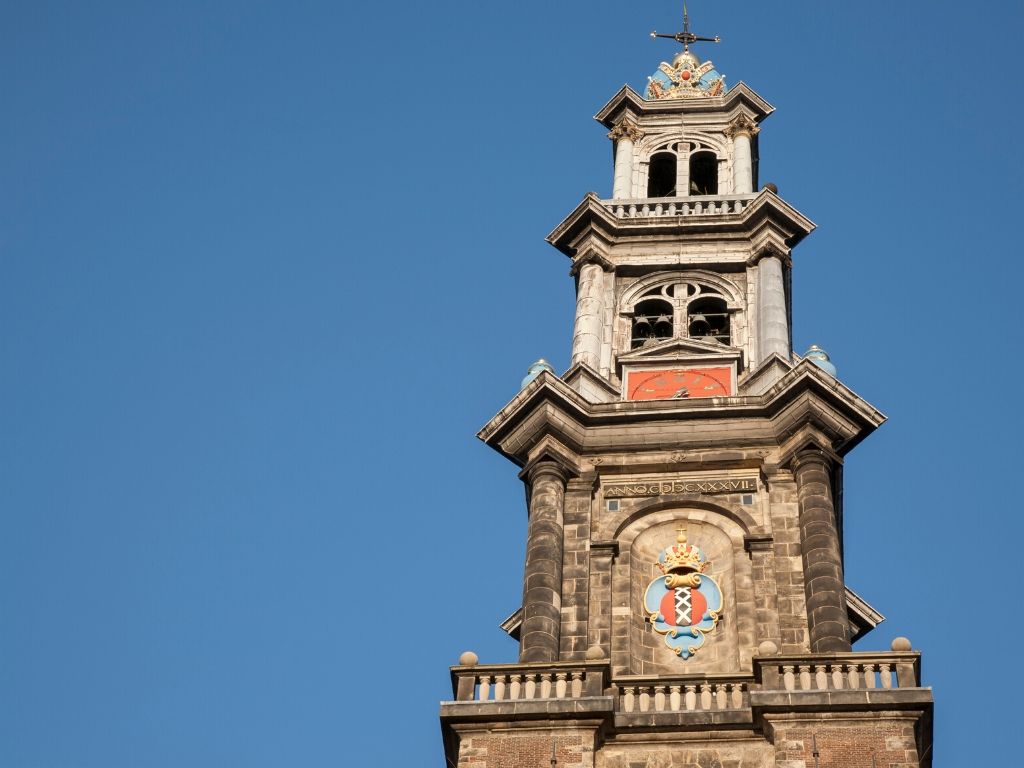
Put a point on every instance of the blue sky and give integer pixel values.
(265, 268)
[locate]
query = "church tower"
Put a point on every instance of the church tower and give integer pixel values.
(683, 596)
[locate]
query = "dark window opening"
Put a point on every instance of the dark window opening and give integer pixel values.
(652, 322)
(661, 175)
(708, 319)
(703, 174)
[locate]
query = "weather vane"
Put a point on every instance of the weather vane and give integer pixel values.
(686, 36)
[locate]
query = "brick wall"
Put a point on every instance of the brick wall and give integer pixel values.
(845, 741)
(518, 747)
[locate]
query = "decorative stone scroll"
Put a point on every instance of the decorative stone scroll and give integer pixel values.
(666, 487)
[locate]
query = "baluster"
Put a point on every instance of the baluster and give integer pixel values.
(805, 678)
(646, 210)
(620, 211)
(869, 676)
(560, 685)
(698, 207)
(485, 688)
(629, 699)
(852, 678)
(721, 697)
(632, 210)
(691, 698)
(740, 205)
(514, 687)
(712, 208)
(645, 699)
(737, 695)
(499, 688)
(788, 677)
(671, 209)
(675, 697)
(837, 677)
(577, 684)
(531, 687)
(686, 209)
(658, 209)
(885, 672)
(705, 696)
(821, 677)
(545, 685)
(659, 698)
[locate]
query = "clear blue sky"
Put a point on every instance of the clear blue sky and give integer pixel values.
(265, 268)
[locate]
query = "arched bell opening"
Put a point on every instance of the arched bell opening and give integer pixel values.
(661, 175)
(707, 318)
(652, 322)
(703, 173)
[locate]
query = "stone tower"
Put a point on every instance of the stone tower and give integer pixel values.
(683, 596)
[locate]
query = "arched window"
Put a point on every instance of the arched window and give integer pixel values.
(685, 309)
(707, 318)
(661, 175)
(703, 173)
(652, 321)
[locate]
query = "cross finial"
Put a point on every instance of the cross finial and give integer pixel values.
(681, 534)
(686, 36)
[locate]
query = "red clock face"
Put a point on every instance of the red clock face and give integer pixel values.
(679, 383)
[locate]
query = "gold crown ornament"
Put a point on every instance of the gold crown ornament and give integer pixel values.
(682, 556)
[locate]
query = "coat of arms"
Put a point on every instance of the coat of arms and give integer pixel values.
(685, 603)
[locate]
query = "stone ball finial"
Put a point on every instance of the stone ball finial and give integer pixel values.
(536, 370)
(595, 653)
(468, 659)
(901, 644)
(767, 648)
(773, 188)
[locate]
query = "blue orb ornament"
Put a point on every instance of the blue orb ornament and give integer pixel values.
(819, 357)
(536, 370)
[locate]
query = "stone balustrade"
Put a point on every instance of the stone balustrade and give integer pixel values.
(630, 695)
(688, 694)
(528, 682)
(840, 672)
(671, 207)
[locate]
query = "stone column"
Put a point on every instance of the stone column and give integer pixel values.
(589, 331)
(824, 587)
(742, 129)
(624, 134)
(772, 322)
(542, 580)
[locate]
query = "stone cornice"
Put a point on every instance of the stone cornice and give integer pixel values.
(805, 398)
(626, 99)
(765, 218)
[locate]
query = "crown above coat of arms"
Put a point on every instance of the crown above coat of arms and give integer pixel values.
(682, 556)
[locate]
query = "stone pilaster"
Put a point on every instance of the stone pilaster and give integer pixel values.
(823, 566)
(602, 553)
(542, 580)
(766, 597)
(575, 572)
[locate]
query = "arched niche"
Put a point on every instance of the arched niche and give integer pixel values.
(636, 648)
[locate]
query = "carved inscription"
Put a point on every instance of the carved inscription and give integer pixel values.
(664, 487)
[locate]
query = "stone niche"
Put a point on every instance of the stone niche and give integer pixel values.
(637, 648)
